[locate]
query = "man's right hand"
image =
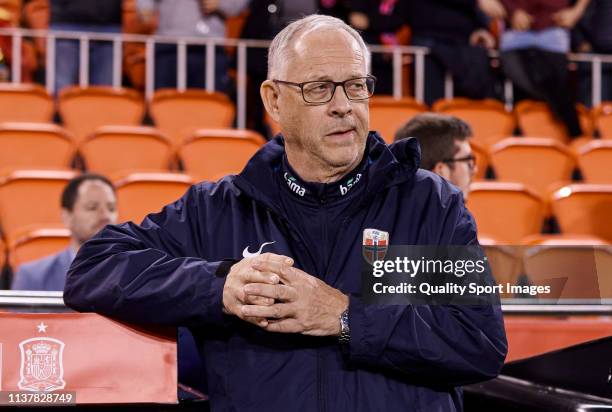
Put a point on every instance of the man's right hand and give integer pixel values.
(243, 273)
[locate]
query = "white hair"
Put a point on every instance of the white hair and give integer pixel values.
(280, 46)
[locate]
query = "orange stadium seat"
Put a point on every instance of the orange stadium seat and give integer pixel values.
(578, 142)
(482, 159)
(114, 150)
(505, 262)
(31, 197)
(84, 110)
(574, 268)
(506, 211)
(584, 209)
(139, 194)
(36, 243)
(388, 114)
(535, 119)
(179, 114)
(35, 145)
(2, 256)
(595, 160)
(25, 103)
(602, 119)
(211, 153)
(535, 162)
(488, 118)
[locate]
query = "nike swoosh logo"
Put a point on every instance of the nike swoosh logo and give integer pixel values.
(246, 254)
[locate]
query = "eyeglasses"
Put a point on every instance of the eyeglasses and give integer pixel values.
(471, 159)
(320, 92)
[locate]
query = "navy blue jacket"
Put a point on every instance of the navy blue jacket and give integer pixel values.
(170, 270)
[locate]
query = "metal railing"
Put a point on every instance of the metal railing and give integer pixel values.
(149, 41)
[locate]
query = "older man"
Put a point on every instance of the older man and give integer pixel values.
(264, 266)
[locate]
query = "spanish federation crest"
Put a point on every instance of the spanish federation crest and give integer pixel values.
(42, 368)
(375, 244)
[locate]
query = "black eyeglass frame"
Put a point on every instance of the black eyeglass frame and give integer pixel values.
(336, 84)
(469, 158)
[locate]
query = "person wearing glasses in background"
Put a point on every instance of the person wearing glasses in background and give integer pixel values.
(265, 267)
(445, 147)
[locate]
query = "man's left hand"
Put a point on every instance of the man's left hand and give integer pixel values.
(304, 303)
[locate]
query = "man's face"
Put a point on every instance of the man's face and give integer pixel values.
(461, 172)
(94, 208)
(330, 135)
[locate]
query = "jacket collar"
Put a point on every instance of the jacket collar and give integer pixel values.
(382, 166)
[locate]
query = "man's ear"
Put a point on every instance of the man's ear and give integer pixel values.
(269, 97)
(442, 169)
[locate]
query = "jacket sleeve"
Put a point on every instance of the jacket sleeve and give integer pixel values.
(150, 273)
(441, 345)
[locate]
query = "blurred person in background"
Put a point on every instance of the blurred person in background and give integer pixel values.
(190, 18)
(84, 16)
(593, 34)
(10, 16)
(88, 204)
(534, 53)
(6, 20)
(445, 147)
(379, 21)
(456, 32)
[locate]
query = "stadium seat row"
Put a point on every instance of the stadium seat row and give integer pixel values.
(178, 114)
(489, 119)
(22, 192)
(506, 212)
(509, 212)
(576, 267)
(210, 153)
(114, 150)
(542, 162)
(84, 110)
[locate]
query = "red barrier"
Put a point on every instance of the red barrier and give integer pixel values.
(99, 359)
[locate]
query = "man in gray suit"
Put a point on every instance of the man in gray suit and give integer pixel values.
(88, 204)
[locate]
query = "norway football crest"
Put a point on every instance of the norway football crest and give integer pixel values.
(375, 244)
(42, 368)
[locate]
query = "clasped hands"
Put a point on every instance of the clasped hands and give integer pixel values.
(269, 292)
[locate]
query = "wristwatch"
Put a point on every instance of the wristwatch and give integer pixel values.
(345, 331)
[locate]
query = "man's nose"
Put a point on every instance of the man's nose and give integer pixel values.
(340, 105)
